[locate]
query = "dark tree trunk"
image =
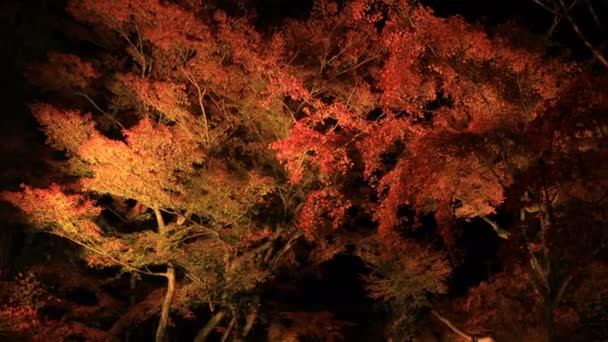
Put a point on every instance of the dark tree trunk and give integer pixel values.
(6, 249)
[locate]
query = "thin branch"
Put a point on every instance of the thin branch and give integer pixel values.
(201, 95)
(99, 109)
(594, 15)
(339, 53)
(502, 233)
(192, 236)
(562, 290)
(365, 61)
(546, 7)
(451, 326)
(116, 214)
(231, 325)
(108, 256)
(250, 318)
(596, 53)
(274, 262)
(144, 67)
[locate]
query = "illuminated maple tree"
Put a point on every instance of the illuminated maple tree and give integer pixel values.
(381, 113)
(451, 123)
(182, 139)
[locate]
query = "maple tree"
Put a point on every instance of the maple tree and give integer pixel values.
(456, 125)
(159, 149)
(202, 151)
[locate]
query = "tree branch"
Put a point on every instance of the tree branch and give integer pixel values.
(451, 326)
(499, 231)
(211, 324)
(596, 53)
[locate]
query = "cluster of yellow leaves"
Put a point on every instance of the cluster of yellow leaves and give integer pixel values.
(147, 167)
(66, 215)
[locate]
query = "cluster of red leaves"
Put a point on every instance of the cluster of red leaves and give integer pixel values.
(250, 236)
(439, 97)
(323, 210)
(513, 292)
(510, 292)
(20, 304)
(306, 145)
(165, 25)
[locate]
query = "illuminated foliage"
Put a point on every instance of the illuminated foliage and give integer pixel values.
(197, 145)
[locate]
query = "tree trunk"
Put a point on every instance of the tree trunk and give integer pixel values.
(132, 283)
(212, 323)
(251, 317)
(164, 315)
(549, 323)
(6, 244)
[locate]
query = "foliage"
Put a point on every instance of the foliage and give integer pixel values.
(405, 282)
(19, 313)
(192, 141)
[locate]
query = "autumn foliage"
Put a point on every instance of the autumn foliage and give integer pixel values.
(216, 155)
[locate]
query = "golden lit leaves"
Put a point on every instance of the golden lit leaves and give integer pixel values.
(411, 278)
(65, 129)
(148, 167)
(224, 196)
(139, 249)
(166, 97)
(68, 216)
(65, 215)
(404, 280)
